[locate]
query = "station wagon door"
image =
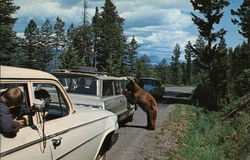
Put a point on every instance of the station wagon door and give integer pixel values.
(68, 136)
(113, 98)
(28, 143)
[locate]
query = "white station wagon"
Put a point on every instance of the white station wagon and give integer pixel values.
(97, 90)
(58, 130)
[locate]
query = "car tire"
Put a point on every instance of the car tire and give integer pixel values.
(101, 157)
(130, 118)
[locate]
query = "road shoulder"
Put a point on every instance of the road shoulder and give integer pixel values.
(157, 143)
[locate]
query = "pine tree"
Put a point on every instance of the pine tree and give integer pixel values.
(112, 40)
(96, 31)
(239, 71)
(30, 46)
(70, 35)
(183, 73)
(132, 55)
(198, 46)
(209, 14)
(161, 71)
(220, 73)
(143, 67)
(188, 51)
(59, 39)
(175, 65)
(212, 13)
(82, 41)
(82, 38)
(45, 52)
(8, 38)
(69, 58)
(243, 20)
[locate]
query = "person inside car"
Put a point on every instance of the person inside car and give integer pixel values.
(10, 99)
(81, 87)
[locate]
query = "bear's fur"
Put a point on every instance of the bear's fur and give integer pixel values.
(136, 95)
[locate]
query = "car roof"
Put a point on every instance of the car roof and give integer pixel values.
(95, 75)
(8, 72)
(148, 79)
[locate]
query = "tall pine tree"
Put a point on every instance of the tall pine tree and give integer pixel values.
(69, 58)
(243, 20)
(7, 35)
(96, 31)
(59, 39)
(131, 57)
(209, 14)
(82, 41)
(162, 71)
(188, 55)
(70, 35)
(239, 72)
(45, 51)
(143, 67)
(112, 40)
(175, 65)
(31, 45)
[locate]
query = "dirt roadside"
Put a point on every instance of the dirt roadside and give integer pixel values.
(157, 144)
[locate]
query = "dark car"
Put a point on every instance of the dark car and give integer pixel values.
(153, 86)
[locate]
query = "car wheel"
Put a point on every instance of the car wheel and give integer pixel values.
(130, 118)
(101, 157)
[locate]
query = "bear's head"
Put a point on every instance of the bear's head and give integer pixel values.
(130, 91)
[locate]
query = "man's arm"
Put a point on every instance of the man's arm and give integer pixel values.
(8, 125)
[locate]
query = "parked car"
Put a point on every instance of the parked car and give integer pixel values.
(58, 130)
(153, 86)
(97, 90)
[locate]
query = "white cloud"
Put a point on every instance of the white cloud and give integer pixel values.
(20, 34)
(162, 43)
(157, 25)
(44, 9)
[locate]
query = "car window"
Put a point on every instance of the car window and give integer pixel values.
(145, 82)
(64, 81)
(52, 103)
(80, 85)
(21, 112)
(150, 82)
(124, 83)
(157, 83)
(107, 88)
(118, 90)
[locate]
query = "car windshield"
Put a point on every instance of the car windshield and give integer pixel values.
(81, 85)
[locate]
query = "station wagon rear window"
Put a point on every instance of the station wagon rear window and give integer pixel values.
(80, 85)
(108, 89)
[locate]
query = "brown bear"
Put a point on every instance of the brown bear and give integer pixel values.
(136, 95)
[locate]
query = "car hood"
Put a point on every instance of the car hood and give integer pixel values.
(90, 114)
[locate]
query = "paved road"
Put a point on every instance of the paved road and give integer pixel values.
(173, 91)
(133, 135)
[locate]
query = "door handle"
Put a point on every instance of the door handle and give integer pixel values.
(56, 142)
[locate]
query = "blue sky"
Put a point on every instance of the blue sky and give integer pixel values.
(156, 24)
